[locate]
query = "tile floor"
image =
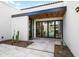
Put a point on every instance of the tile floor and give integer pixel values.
(42, 47)
(44, 44)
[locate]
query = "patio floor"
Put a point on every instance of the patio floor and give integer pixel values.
(42, 47)
(44, 44)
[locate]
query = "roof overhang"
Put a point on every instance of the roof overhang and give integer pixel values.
(41, 12)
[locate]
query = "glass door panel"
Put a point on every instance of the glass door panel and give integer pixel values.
(44, 29)
(51, 29)
(58, 29)
(38, 29)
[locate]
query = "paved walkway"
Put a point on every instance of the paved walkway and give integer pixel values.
(44, 45)
(15, 51)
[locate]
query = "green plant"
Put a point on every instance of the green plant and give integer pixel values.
(13, 36)
(17, 36)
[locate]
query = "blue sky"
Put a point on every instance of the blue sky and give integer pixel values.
(27, 4)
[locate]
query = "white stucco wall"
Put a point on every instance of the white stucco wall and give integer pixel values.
(71, 27)
(21, 24)
(5, 20)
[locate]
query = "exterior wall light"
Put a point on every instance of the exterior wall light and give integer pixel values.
(77, 9)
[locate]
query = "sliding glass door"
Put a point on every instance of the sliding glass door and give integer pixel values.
(52, 29)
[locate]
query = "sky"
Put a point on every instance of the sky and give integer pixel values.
(27, 4)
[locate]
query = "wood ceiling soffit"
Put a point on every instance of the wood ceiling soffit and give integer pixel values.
(48, 15)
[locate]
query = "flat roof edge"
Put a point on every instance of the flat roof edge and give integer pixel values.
(34, 13)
